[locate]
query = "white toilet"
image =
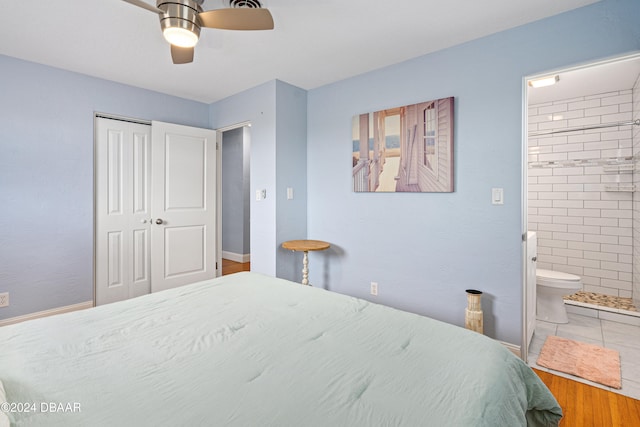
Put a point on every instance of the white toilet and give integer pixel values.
(551, 286)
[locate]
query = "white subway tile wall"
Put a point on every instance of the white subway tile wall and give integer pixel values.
(582, 227)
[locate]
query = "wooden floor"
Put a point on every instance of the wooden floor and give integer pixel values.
(585, 406)
(230, 267)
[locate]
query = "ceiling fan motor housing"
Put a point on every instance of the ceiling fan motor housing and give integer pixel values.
(180, 13)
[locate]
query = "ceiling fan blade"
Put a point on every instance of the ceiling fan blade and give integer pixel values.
(237, 19)
(144, 5)
(181, 55)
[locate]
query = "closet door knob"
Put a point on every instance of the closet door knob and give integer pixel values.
(534, 259)
(158, 221)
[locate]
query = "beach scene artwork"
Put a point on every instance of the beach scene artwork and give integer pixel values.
(404, 149)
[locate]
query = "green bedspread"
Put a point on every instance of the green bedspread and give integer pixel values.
(250, 350)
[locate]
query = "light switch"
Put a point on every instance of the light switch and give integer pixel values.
(289, 193)
(261, 195)
(497, 196)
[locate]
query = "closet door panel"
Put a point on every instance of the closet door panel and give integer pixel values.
(122, 210)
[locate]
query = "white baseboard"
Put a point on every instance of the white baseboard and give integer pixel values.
(46, 313)
(515, 349)
(236, 257)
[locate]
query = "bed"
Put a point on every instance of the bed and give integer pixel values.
(252, 350)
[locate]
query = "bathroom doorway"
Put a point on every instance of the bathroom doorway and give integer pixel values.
(581, 141)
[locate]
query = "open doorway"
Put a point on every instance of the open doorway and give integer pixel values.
(235, 182)
(581, 144)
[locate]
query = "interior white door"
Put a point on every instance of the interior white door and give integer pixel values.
(532, 256)
(122, 209)
(183, 231)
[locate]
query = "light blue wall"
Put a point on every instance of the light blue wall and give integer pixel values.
(258, 106)
(277, 112)
(424, 250)
(246, 185)
(46, 176)
(291, 171)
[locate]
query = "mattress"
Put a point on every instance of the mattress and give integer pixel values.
(251, 350)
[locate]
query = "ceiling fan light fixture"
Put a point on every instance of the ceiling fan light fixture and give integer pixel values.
(179, 22)
(181, 37)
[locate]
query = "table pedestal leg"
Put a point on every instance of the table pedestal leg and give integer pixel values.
(305, 268)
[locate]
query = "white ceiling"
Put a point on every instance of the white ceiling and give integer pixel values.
(315, 42)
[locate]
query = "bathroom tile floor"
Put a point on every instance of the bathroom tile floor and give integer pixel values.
(619, 336)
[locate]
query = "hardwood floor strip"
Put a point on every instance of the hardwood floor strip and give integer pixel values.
(230, 267)
(587, 406)
(615, 409)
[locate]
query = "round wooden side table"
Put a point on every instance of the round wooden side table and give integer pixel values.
(305, 246)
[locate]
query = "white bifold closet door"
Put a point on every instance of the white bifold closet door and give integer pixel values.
(155, 207)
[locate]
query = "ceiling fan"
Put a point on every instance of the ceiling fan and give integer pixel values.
(181, 21)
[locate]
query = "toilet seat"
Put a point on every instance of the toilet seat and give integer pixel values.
(558, 279)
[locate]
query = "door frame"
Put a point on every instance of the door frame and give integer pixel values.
(219, 132)
(524, 348)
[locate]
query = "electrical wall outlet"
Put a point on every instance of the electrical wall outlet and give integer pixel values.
(4, 299)
(374, 288)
